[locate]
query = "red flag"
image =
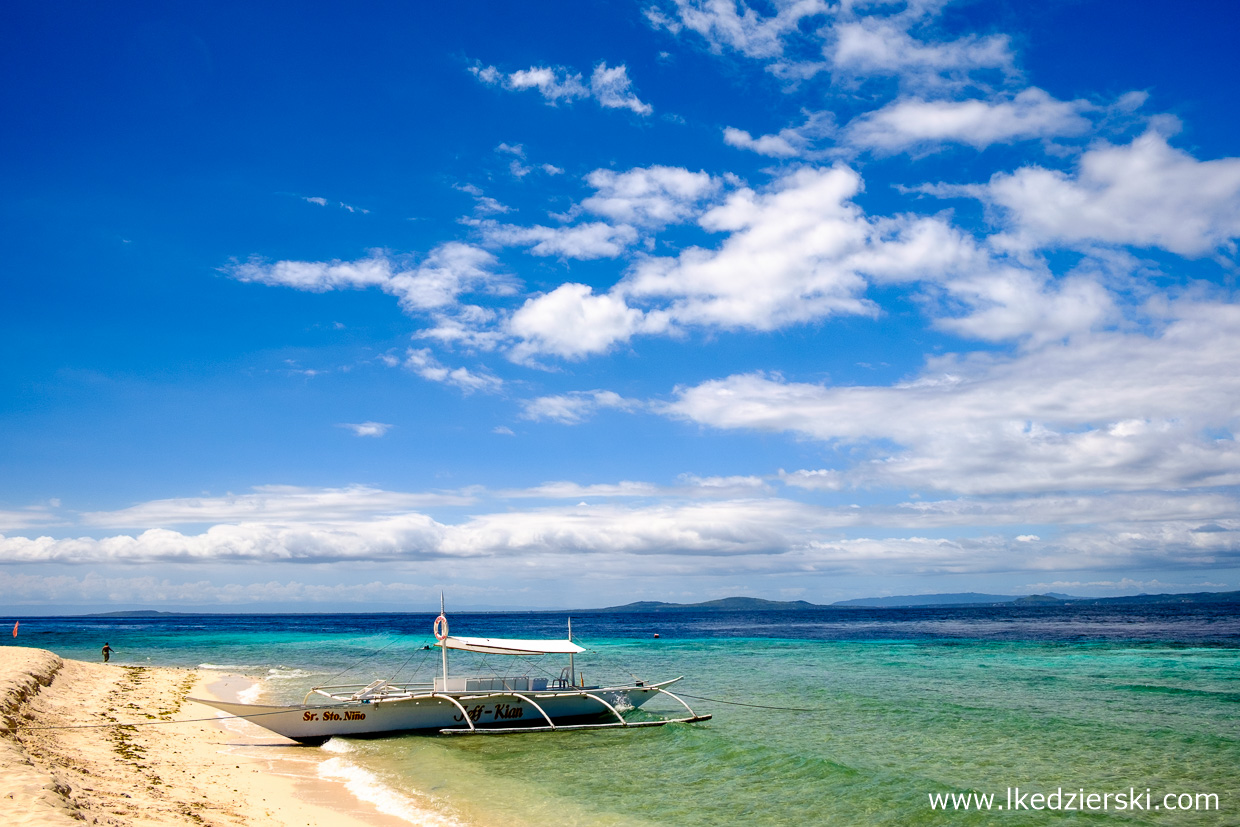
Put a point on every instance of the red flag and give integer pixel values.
(15, 625)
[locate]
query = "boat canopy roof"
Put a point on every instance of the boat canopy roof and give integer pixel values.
(511, 646)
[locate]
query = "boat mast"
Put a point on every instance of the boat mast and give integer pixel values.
(572, 675)
(443, 645)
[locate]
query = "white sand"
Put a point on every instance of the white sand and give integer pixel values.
(196, 773)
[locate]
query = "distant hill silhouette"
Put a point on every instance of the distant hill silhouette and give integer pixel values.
(914, 601)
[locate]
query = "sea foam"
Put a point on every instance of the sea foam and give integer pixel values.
(367, 786)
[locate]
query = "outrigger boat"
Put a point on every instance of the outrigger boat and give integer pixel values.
(457, 705)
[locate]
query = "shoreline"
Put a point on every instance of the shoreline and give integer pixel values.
(87, 743)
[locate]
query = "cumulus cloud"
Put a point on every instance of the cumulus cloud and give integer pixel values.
(755, 535)
(649, 196)
(800, 251)
(572, 321)
(912, 122)
(793, 240)
(609, 86)
(1146, 194)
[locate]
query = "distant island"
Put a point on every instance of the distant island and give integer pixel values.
(919, 601)
(140, 613)
(757, 604)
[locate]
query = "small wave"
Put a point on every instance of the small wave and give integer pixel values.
(288, 674)
(366, 786)
(225, 667)
(337, 745)
(250, 694)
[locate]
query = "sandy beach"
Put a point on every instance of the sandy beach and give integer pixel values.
(119, 745)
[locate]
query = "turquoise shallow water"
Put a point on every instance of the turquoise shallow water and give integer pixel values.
(904, 705)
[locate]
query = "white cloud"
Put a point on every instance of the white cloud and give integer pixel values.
(792, 142)
(1110, 411)
(574, 408)
(30, 517)
(799, 252)
(421, 362)
(912, 122)
(1146, 194)
(733, 486)
(465, 325)
(573, 322)
(822, 479)
(733, 24)
(613, 90)
(611, 86)
(744, 535)
(484, 204)
(565, 490)
(783, 145)
(436, 282)
(121, 590)
(581, 241)
(273, 505)
(784, 261)
(322, 202)
(855, 40)
(1008, 303)
(367, 428)
(649, 196)
(875, 46)
(554, 84)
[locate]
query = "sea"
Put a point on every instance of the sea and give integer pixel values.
(1057, 715)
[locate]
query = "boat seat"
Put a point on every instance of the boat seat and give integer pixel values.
(369, 691)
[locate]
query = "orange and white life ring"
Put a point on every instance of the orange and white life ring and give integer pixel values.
(441, 628)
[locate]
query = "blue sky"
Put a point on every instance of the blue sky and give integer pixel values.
(573, 304)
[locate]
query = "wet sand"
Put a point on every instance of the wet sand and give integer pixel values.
(119, 745)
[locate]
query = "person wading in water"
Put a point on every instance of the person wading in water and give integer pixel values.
(107, 652)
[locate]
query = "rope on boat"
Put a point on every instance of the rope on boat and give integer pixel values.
(754, 706)
(359, 662)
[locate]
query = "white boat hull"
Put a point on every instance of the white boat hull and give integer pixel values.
(315, 723)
